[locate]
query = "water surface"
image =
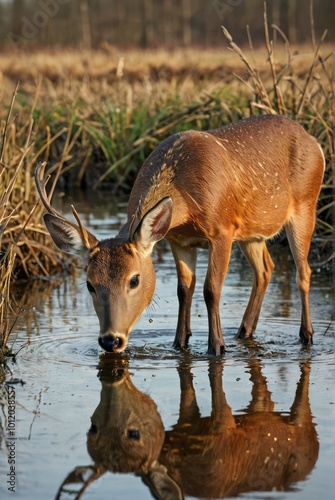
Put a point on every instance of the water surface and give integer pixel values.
(260, 418)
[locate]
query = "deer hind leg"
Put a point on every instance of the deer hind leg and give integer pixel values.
(185, 259)
(299, 232)
(259, 258)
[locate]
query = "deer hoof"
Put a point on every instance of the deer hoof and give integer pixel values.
(306, 338)
(179, 345)
(243, 333)
(217, 350)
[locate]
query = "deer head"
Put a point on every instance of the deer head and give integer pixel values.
(120, 274)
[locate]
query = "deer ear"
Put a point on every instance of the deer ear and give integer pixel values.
(68, 237)
(154, 224)
(161, 485)
(80, 479)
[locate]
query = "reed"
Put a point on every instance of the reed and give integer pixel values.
(25, 252)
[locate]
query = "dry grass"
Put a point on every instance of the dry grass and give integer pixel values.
(118, 105)
(211, 65)
(309, 100)
(25, 251)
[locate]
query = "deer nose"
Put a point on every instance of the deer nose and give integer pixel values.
(110, 343)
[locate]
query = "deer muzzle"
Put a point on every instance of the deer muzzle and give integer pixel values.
(112, 342)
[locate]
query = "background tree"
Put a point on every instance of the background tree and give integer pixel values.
(150, 23)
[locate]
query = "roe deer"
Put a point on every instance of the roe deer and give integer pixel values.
(243, 182)
(201, 456)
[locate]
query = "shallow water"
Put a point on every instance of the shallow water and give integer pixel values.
(262, 418)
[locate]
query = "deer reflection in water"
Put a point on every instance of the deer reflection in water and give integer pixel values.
(213, 457)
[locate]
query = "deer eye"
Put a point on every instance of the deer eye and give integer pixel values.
(93, 429)
(134, 281)
(134, 434)
(90, 287)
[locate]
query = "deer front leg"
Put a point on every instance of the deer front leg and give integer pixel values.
(189, 412)
(218, 260)
(221, 416)
(300, 410)
(185, 259)
(261, 396)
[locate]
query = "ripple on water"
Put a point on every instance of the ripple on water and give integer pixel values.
(275, 339)
(279, 339)
(67, 348)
